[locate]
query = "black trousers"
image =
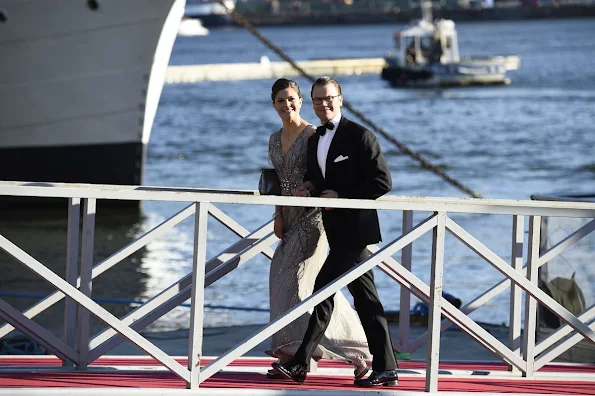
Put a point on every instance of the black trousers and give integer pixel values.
(367, 304)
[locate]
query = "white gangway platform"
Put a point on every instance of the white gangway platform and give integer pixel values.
(79, 364)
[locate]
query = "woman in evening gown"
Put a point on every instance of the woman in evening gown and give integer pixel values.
(303, 247)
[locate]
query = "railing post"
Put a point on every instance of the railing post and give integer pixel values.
(542, 274)
(72, 266)
(530, 302)
(433, 356)
(198, 293)
(86, 279)
(405, 300)
(516, 261)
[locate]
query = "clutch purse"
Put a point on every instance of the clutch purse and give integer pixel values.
(269, 182)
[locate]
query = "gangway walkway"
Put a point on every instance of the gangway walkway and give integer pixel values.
(247, 376)
(525, 359)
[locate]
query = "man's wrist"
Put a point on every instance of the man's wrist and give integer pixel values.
(275, 215)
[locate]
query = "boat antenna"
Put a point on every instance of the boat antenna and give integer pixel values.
(426, 11)
(242, 21)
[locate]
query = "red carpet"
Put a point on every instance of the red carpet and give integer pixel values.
(314, 382)
(9, 361)
(259, 381)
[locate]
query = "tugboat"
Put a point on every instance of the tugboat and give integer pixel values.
(427, 55)
(210, 12)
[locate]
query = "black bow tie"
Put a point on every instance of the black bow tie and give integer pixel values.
(321, 130)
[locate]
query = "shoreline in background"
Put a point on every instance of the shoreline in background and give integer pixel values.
(406, 15)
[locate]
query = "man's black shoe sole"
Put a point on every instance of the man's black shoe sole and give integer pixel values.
(281, 370)
(275, 376)
(387, 383)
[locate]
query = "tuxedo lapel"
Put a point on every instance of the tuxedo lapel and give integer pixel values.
(313, 153)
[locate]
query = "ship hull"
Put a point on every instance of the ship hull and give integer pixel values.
(442, 76)
(79, 164)
(79, 87)
(469, 71)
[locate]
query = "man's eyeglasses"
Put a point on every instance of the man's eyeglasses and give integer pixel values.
(327, 99)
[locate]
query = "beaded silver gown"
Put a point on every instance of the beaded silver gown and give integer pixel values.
(295, 265)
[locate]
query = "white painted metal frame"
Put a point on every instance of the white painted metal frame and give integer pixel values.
(405, 298)
(247, 248)
(516, 261)
(72, 265)
(259, 241)
(514, 338)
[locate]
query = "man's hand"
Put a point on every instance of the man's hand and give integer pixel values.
(329, 194)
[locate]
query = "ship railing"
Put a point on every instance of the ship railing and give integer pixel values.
(524, 356)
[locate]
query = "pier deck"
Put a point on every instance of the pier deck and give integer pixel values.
(266, 69)
(247, 376)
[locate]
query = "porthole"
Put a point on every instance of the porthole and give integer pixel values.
(93, 4)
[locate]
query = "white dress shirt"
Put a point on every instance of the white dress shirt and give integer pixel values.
(324, 143)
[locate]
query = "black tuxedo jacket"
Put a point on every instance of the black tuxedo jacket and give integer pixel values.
(355, 168)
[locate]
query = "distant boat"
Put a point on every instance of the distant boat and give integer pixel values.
(192, 27)
(427, 55)
(210, 12)
(80, 85)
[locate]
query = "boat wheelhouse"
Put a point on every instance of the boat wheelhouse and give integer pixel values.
(427, 55)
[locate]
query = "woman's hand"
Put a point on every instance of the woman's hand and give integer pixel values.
(278, 227)
(303, 192)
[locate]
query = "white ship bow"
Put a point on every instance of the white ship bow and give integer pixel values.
(80, 82)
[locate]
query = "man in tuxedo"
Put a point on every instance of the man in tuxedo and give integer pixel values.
(345, 161)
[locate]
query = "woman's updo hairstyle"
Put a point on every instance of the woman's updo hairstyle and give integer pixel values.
(282, 84)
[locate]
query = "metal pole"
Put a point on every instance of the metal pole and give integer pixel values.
(86, 280)
(405, 300)
(435, 304)
(516, 261)
(72, 267)
(198, 294)
(530, 302)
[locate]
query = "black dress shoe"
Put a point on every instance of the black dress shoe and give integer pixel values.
(377, 378)
(292, 370)
(272, 374)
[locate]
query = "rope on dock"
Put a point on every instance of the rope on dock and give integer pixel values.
(242, 21)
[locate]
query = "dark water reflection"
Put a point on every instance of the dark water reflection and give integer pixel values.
(43, 235)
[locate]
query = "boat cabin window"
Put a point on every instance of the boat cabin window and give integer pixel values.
(448, 43)
(410, 52)
(426, 45)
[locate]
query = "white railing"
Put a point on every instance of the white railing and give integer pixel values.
(78, 349)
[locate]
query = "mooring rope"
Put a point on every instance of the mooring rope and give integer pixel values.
(242, 21)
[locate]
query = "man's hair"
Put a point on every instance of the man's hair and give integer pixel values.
(322, 81)
(282, 84)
